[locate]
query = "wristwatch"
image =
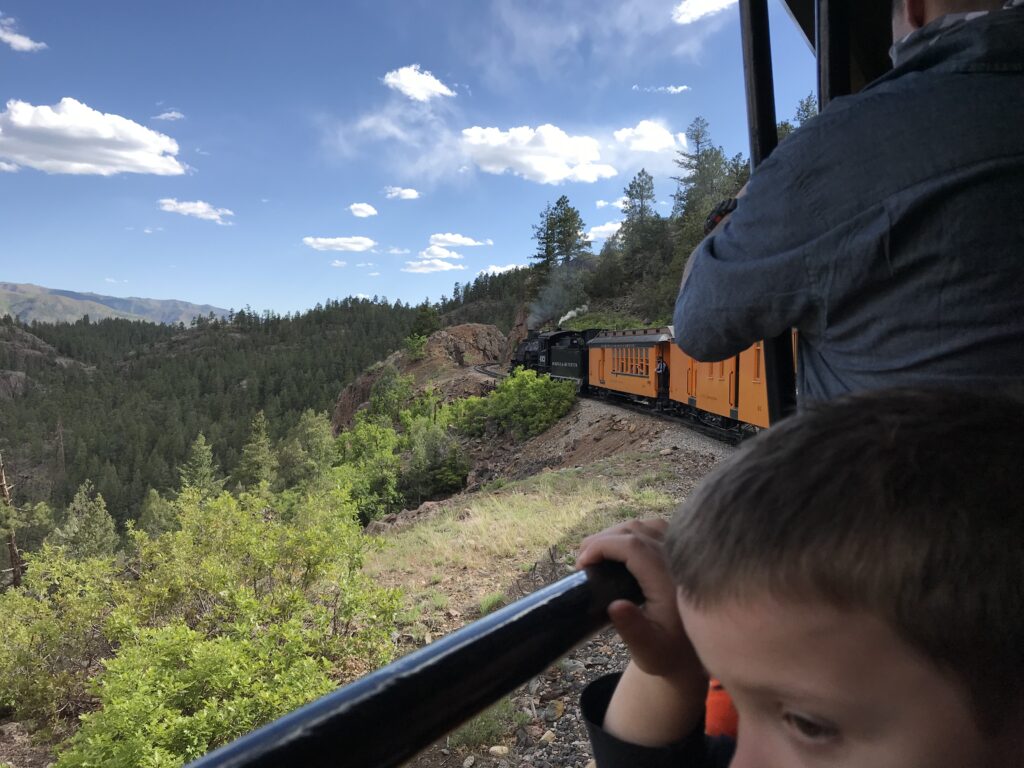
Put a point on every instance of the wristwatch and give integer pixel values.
(722, 210)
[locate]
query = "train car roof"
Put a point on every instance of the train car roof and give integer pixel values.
(864, 28)
(646, 337)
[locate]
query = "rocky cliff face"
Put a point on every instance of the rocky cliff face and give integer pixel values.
(12, 384)
(20, 350)
(447, 365)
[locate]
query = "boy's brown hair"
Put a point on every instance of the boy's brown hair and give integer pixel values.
(908, 505)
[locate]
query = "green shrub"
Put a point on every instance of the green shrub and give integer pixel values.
(436, 463)
(198, 635)
(54, 630)
(523, 404)
(370, 467)
(415, 346)
(173, 694)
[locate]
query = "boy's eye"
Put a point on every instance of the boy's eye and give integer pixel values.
(810, 730)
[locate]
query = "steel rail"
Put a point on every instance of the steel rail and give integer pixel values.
(388, 716)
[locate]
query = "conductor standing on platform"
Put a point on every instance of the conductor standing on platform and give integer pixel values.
(661, 369)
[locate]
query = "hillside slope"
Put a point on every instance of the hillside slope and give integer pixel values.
(29, 303)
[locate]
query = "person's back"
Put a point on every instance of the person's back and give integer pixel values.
(889, 230)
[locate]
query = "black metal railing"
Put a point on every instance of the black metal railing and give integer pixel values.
(388, 716)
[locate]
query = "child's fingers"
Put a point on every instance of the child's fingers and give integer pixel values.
(596, 548)
(631, 624)
(653, 647)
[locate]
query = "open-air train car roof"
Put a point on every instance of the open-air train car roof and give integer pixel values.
(851, 37)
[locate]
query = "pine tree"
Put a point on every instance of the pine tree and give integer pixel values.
(544, 234)
(639, 198)
(309, 451)
(88, 529)
(561, 235)
(806, 108)
(703, 181)
(199, 471)
(259, 463)
(427, 320)
(158, 515)
(570, 232)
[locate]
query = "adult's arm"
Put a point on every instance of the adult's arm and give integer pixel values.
(755, 276)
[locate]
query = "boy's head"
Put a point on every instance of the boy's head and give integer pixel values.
(866, 556)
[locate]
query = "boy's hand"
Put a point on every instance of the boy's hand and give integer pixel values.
(654, 633)
(660, 698)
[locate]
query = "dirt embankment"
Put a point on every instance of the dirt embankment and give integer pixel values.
(447, 365)
(600, 441)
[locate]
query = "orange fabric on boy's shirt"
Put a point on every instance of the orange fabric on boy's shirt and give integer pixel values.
(720, 716)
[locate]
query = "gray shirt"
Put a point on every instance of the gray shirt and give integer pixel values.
(888, 230)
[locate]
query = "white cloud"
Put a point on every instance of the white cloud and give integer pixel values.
(357, 244)
(496, 270)
(362, 210)
(546, 154)
(71, 137)
(522, 41)
(400, 193)
(417, 84)
(365, 264)
(439, 252)
(113, 280)
(361, 296)
(16, 40)
(430, 265)
(620, 203)
(603, 231)
(170, 115)
(197, 208)
(649, 136)
(398, 251)
(689, 11)
(674, 90)
(8, 167)
(152, 230)
(374, 274)
(339, 263)
(452, 238)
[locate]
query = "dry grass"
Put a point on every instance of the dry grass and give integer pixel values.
(478, 548)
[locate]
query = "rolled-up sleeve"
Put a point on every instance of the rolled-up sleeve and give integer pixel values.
(753, 278)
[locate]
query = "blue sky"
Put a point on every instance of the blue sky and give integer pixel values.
(278, 154)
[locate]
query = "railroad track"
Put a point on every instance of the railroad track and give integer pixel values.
(729, 436)
(486, 370)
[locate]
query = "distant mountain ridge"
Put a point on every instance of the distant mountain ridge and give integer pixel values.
(29, 302)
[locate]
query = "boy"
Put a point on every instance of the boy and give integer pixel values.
(854, 577)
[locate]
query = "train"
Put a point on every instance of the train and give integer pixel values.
(729, 397)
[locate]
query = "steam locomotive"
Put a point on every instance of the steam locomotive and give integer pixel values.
(728, 397)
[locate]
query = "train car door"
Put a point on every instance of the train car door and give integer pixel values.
(682, 369)
(717, 388)
(753, 394)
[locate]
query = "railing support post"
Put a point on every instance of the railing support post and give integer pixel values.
(764, 137)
